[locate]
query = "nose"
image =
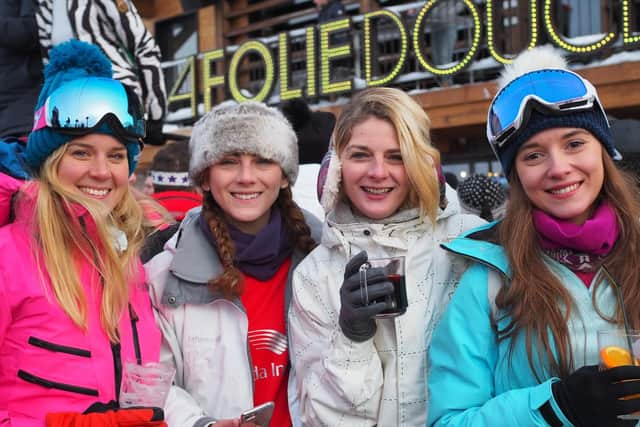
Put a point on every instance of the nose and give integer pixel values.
(100, 168)
(559, 165)
(378, 168)
(246, 171)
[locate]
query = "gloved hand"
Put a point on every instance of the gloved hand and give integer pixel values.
(589, 397)
(356, 319)
(124, 417)
(154, 133)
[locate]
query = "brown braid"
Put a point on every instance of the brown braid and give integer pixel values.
(299, 231)
(230, 283)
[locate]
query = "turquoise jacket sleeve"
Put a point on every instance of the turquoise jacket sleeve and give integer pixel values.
(463, 359)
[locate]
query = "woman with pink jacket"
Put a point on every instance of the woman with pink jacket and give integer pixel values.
(73, 304)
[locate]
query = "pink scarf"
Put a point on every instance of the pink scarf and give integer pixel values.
(581, 248)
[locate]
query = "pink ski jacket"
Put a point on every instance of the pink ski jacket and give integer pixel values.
(47, 363)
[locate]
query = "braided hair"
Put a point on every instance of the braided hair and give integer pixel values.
(231, 283)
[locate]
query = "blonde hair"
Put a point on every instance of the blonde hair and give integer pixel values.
(412, 126)
(65, 244)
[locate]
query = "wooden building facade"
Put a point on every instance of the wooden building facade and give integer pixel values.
(200, 40)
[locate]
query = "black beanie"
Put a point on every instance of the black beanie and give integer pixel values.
(592, 120)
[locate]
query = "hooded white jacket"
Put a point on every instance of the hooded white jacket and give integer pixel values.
(382, 381)
(204, 335)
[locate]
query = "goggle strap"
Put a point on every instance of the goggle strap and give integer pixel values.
(40, 118)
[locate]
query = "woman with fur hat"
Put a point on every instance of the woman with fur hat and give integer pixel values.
(222, 287)
(73, 303)
(556, 270)
(385, 196)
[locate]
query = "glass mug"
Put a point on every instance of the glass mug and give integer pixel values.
(393, 268)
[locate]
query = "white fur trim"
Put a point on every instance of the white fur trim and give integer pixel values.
(331, 189)
(248, 127)
(538, 58)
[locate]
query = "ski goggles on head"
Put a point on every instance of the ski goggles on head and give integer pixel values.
(555, 90)
(83, 105)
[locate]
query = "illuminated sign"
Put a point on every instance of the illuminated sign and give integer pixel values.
(321, 51)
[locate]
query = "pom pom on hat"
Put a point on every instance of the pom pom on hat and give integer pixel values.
(482, 196)
(69, 61)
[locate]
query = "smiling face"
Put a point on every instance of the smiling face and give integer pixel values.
(96, 166)
(562, 172)
(373, 174)
(245, 187)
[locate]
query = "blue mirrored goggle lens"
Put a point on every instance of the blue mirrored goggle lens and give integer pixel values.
(82, 105)
(546, 86)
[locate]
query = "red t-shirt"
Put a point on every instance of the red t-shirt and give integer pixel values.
(264, 303)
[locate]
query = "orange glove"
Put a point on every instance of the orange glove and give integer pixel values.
(131, 417)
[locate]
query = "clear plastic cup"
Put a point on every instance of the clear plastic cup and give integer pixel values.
(145, 385)
(618, 347)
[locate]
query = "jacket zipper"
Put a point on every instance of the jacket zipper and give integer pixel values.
(37, 342)
(117, 367)
(54, 384)
(134, 329)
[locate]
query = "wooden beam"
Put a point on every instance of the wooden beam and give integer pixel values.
(255, 8)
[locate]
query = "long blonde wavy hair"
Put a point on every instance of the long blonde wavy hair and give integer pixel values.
(65, 245)
(412, 126)
(535, 299)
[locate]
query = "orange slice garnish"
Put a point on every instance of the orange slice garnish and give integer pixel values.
(613, 356)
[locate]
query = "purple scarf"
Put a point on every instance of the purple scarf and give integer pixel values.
(579, 247)
(261, 255)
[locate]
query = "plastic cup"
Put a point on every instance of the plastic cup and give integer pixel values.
(618, 347)
(145, 385)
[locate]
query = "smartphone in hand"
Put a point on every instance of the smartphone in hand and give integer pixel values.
(259, 415)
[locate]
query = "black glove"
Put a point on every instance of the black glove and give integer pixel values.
(589, 397)
(356, 319)
(154, 133)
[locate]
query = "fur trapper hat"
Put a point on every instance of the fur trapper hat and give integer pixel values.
(247, 127)
(70, 61)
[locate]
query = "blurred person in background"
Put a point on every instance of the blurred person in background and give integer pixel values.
(313, 130)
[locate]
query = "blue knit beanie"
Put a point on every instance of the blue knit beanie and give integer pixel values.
(592, 120)
(538, 117)
(70, 61)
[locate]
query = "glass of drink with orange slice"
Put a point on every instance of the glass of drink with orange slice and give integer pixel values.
(618, 347)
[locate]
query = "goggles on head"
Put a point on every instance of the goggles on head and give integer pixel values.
(81, 106)
(556, 90)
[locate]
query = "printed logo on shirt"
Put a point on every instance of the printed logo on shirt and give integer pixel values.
(268, 339)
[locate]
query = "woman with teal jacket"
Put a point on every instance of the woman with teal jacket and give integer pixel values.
(517, 345)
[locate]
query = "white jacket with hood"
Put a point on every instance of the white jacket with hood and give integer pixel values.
(382, 381)
(205, 335)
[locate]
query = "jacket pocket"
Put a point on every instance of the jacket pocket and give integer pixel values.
(47, 345)
(33, 379)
